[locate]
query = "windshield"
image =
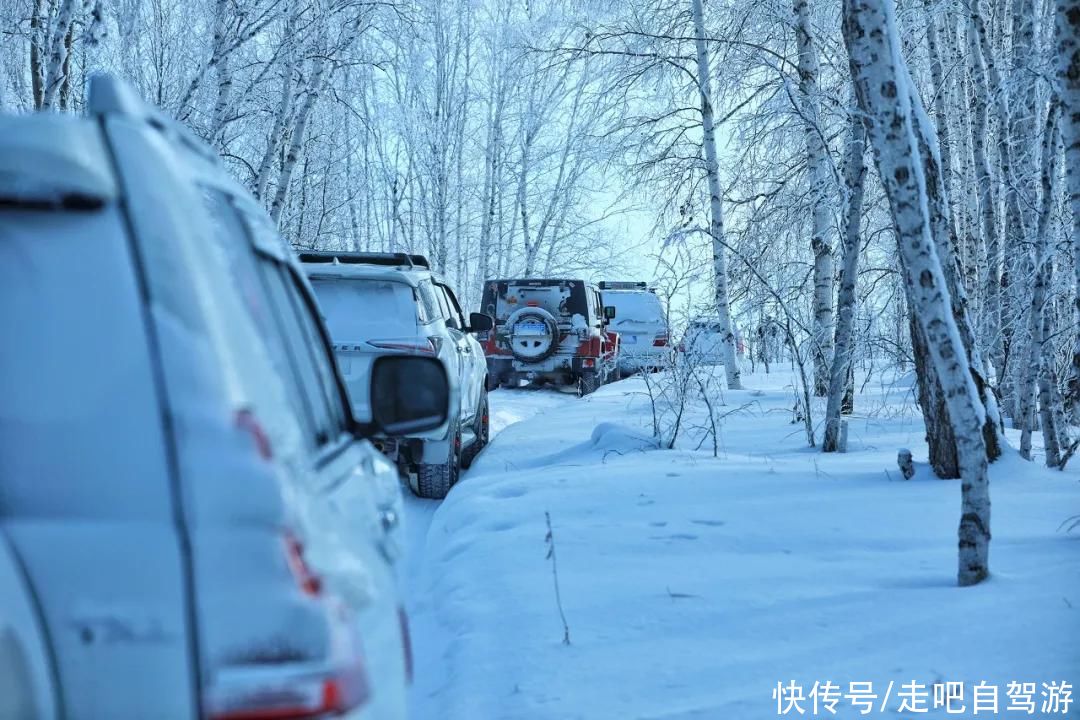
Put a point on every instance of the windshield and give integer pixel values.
(359, 310)
(635, 307)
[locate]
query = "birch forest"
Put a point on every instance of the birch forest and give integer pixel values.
(842, 182)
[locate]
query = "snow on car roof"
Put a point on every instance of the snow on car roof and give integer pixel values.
(382, 272)
(53, 160)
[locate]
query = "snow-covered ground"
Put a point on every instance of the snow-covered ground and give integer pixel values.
(692, 585)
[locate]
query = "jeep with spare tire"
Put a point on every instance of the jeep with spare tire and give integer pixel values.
(549, 331)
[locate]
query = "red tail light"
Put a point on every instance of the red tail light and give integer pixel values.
(272, 695)
(660, 340)
(425, 345)
(246, 421)
(309, 582)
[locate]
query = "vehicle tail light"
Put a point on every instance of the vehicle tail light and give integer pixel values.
(588, 362)
(406, 642)
(270, 694)
(660, 340)
(246, 421)
(306, 578)
(423, 345)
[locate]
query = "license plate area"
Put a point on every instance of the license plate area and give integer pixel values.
(530, 328)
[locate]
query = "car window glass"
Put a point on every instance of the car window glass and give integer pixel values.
(319, 349)
(444, 306)
(230, 235)
(456, 316)
(361, 309)
(296, 340)
(428, 302)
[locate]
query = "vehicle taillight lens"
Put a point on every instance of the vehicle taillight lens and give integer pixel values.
(424, 346)
(660, 340)
(308, 581)
(246, 421)
(267, 694)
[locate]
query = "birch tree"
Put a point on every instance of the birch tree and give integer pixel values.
(882, 85)
(716, 209)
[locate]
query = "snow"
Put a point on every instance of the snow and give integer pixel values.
(692, 585)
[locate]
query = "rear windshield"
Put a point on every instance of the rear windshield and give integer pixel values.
(359, 310)
(562, 298)
(635, 307)
(79, 419)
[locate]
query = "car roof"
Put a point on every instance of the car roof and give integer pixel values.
(109, 96)
(53, 159)
(367, 272)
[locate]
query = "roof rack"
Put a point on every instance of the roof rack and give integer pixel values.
(388, 259)
(623, 285)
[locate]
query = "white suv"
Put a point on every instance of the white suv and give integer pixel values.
(184, 494)
(378, 304)
(641, 323)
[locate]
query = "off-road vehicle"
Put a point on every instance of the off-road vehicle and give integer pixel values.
(379, 304)
(641, 323)
(549, 330)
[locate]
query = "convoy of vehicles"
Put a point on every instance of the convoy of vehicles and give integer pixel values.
(203, 438)
(549, 330)
(192, 521)
(641, 323)
(380, 304)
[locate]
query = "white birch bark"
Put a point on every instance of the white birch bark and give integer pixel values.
(991, 314)
(881, 82)
(818, 174)
(58, 54)
(1067, 40)
(1030, 369)
(716, 210)
(854, 176)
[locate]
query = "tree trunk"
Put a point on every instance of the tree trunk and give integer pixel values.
(854, 176)
(296, 143)
(991, 326)
(54, 74)
(882, 85)
(818, 175)
(1067, 39)
(38, 25)
(1030, 370)
(716, 210)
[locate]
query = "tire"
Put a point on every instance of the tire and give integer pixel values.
(588, 382)
(433, 480)
(483, 433)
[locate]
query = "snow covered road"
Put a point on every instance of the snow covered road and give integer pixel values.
(692, 585)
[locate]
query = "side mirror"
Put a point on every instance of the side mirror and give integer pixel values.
(409, 394)
(479, 322)
(609, 312)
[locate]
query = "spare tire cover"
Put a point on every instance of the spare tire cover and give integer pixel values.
(533, 334)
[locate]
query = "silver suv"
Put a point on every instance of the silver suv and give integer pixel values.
(378, 304)
(186, 500)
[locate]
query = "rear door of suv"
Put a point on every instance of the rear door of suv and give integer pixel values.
(89, 499)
